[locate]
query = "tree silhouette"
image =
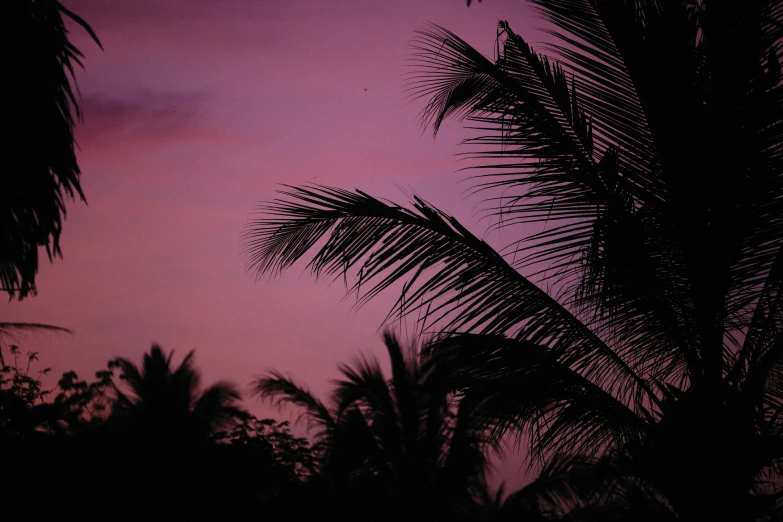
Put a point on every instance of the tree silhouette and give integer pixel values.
(640, 326)
(41, 167)
(167, 408)
(71, 448)
(24, 413)
(401, 444)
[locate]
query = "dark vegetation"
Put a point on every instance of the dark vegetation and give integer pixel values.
(636, 338)
(41, 172)
(634, 342)
(140, 437)
(151, 433)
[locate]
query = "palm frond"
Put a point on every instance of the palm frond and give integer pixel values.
(745, 49)
(579, 488)
(81, 23)
(353, 448)
(14, 328)
(590, 47)
(45, 172)
(185, 378)
(517, 384)
(470, 286)
(525, 103)
(758, 368)
(673, 61)
(559, 487)
(597, 245)
(363, 385)
(404, 383)
(282, 390)
(130, 373)
(466, 460)
(218, 405)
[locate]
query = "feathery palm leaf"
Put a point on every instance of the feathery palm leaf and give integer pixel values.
(45, 173)
(551, 173)
(518, 384)
(471, 286)
(11, 328)
(282, 390)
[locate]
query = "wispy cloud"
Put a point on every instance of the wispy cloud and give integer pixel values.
(146, 116)
(191, 24)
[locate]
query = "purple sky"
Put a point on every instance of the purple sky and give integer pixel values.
(194, 111)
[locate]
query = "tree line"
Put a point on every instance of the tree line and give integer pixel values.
(395, 445)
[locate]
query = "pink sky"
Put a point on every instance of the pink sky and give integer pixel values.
(194, 111)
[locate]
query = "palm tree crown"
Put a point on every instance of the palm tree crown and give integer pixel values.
(166, 406)
(406, 434)
(642, 323)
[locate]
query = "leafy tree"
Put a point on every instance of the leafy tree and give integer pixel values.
(85, 406)
(640, 327)
(166, 406)
(42, 172)
(274, 438)
(88, 445)
(25, 408)
(403, 443)
(23, 411)
(264, 467)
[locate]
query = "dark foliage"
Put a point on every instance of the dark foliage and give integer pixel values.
(41, 172)
(85, 448)
(165, 406)
(396, 445)
(638, 331)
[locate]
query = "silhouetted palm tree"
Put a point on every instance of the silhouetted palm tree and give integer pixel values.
(405, 438)
(167, 408)
(41, 170)
(648, 329)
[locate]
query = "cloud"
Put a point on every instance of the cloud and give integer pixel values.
(145, 116)
(194, 24)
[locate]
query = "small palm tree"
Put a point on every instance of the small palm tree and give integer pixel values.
(643, 325)
(41, 171)
(405, 438)
(166, 407)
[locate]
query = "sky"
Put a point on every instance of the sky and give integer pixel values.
(196, 111)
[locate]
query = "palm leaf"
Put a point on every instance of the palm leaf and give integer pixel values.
(517, 384)
(575, 487)
(281, 390)
(13, 328)
(217, 406)
(363, 385)
(470, 286)
(353, 448)
(758, 367)
(542, 144)
(45, 171)
(670, 60)
(404, 383)
(466, 463)
(606, 87)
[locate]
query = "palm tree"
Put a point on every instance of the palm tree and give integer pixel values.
(41, 167)
(642, 322)
(166, 407)
(403, 438)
